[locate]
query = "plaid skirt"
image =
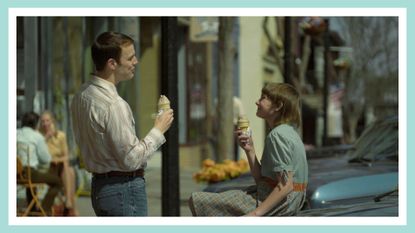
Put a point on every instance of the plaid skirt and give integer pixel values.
(241, 202)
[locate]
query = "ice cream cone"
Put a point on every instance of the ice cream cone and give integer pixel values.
(164, 103)
(243, 124)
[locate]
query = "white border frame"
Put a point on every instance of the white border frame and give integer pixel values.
(209, 221)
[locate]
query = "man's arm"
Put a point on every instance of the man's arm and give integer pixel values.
(130, 152)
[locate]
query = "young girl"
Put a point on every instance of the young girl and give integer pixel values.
(282, 175)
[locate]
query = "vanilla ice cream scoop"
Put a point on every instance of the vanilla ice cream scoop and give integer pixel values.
(243, 124)
(163, 104)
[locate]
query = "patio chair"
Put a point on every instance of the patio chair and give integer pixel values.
(34, 207)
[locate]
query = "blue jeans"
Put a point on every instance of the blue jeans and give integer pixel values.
(119, 196)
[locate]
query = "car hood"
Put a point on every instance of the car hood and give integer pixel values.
(354, 187)
(323, 171)
(387, 207)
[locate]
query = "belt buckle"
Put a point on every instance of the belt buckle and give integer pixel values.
(137, 173)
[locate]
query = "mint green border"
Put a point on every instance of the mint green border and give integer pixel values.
(212, 3)
(4, 5)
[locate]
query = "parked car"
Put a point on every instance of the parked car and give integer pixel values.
(368, 167)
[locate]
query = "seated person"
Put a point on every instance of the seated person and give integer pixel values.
(282, 175)
(58, 148)
(38, 158)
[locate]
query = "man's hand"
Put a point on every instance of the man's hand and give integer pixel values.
(163, 122)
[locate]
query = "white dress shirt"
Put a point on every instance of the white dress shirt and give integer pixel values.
(103, 127)
(32, 148)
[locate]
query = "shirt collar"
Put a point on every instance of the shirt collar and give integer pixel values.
(104, 84)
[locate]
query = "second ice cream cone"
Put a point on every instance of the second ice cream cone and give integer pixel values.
(243, 124)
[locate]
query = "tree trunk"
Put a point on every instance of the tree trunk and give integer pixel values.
(304, 61)
(352, 125)
(225, 87)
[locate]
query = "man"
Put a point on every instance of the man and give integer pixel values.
(31, 141)
(103, 127)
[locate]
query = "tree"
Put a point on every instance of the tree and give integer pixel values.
(375, 56)
(225, 87)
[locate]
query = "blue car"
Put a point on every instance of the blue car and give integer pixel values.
(368, 168)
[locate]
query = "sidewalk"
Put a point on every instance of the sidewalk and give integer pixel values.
(153, 186)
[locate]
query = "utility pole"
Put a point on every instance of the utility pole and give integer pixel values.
(170, 150)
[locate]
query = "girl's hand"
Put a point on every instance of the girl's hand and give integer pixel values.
(244, 141)
(48, 134)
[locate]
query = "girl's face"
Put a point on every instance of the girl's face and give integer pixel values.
(45, 121)
(265, 108)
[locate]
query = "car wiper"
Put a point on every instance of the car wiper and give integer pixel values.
(363, 161)
(379, 197)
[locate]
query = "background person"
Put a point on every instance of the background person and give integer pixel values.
(39, 157)
(60, 164)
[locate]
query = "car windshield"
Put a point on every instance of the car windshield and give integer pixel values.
(379, 141)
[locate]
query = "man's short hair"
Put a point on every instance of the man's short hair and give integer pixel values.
(108, 45)
(30, 119)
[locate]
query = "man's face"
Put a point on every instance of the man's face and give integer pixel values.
(126, 67)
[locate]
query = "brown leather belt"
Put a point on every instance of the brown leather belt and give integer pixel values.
(136, 173)
(297, 187)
